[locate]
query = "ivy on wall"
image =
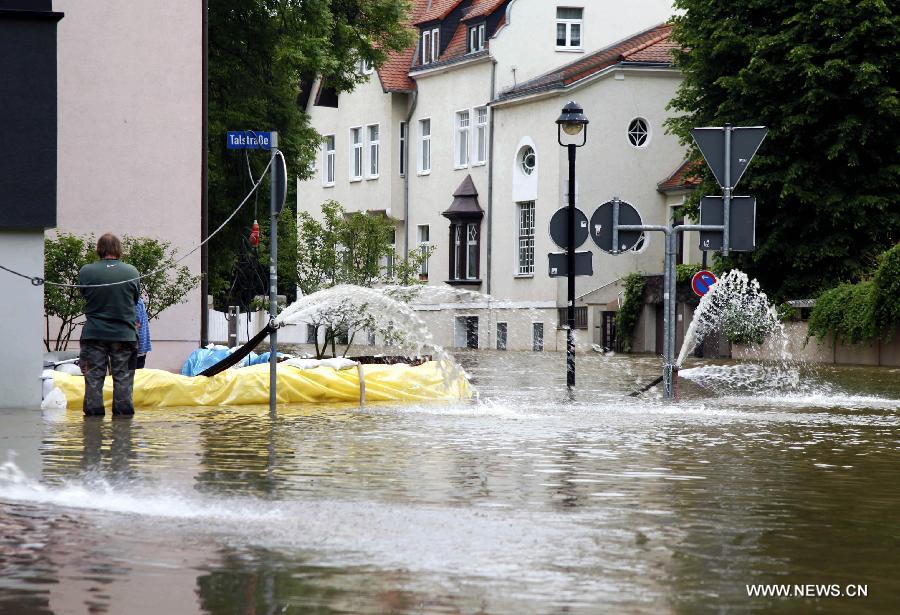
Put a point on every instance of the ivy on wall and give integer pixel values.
(630, 311)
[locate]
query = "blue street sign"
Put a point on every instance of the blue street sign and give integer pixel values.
(249, 139)
(702, 281)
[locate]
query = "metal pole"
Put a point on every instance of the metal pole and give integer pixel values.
(727, 188)
(673, 306)
(273, 276)
(204, 179)
(615, 228)
(570, 253)
(667, 338)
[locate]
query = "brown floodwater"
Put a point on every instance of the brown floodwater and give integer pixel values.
(528, 499)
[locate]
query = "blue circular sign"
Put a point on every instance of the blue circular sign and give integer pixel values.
(702, 281)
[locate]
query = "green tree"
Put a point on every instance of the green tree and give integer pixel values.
(166, 285)
(350, 248)
(264, 56)
(822, 75)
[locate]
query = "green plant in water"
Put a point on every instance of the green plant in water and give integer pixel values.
(630, 312)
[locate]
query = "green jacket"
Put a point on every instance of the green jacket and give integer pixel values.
(110, 309)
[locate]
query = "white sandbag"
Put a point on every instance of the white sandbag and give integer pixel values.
(55, 400)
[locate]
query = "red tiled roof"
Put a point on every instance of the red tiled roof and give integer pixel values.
(438, 10)
(651, 45)
(457, 45)
(686, 176)
(394, 73)
(480, 8)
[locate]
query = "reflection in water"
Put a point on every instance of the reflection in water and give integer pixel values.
(521, 502)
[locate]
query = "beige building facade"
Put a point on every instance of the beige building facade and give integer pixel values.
(472, 117)
(130, 137)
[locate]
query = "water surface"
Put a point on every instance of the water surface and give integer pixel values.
(526, 500)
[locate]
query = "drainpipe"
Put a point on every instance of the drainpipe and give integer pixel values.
(490, 198)
(409, 146)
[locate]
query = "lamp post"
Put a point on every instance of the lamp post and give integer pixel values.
(573, 123)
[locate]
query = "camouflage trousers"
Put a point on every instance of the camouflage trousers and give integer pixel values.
(95, 358)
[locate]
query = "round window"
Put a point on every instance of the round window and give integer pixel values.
(528, 159)
(638, 132)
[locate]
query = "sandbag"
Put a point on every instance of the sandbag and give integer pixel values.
(250, 385)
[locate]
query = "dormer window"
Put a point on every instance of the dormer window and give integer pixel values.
(476, 38)
(431, 48)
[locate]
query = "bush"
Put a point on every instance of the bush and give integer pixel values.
(887, 298)
(630, 312)
(856, 313)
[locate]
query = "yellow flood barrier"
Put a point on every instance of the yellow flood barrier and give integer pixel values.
(250, 385)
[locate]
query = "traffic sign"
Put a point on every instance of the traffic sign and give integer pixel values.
(602, 227)
(249, 139)
(745, 140)
(702, 281)
(741, 223)
(559, 264)
(559, 227)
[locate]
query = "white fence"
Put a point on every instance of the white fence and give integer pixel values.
(218, 328)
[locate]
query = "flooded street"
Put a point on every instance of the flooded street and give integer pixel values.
(525, 500)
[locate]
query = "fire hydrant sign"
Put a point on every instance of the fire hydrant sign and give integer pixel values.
(249, 139)
(702, 281)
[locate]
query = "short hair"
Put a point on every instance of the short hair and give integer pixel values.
(109, 246)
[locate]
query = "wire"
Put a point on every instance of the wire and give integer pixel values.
(38, 281)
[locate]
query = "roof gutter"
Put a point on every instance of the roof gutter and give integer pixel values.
(412, 109)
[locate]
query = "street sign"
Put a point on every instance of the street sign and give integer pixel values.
(702, 281)
(249, 139)
(741, 223)
(745, 140)
(559, 227)
(280, 169)
(602, 227)
(559, 264)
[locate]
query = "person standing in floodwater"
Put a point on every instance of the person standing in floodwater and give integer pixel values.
(109, 336)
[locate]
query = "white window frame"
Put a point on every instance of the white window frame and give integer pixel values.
(356, 153)
(472, 263)
(431, 48)
(462, 131)
(328, 160)
(424, 245)
(403, 144)
(435, 44)
(568, 23)
(426, 47)
(481, 136)
(525, 240)
(424, 147)
(389, 259)
(476, 38)
(373, 147)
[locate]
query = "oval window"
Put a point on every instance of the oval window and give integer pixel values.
(527, 159)
(638, 132)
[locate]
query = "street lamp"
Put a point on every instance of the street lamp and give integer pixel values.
(573, 123)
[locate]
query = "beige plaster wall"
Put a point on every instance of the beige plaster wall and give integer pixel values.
(606, 166)
(604, 23)
(130, 141)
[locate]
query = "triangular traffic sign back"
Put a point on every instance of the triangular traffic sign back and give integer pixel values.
(745, 140)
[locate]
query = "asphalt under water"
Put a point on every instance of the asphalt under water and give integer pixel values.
(527, 500)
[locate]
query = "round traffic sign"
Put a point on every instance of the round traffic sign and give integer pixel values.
(602, 227)
(702, 281)
(559, 227)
